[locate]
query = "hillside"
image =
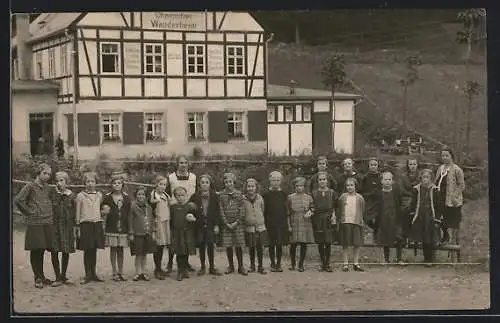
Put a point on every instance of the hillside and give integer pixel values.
(431, 100)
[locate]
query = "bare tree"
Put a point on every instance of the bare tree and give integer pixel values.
(410, 78)
(333, 73)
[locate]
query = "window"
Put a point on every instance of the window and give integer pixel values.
(271, 113)
(15, 69)
(153, 58)
(52, 63)
(235, 60)
(110, 124)
(288, 112)
(306, 112)
(110, 58)
(154, 127)
(39, 70)
(235, 125)
(64, 60)
(196, 122)
(195, 59)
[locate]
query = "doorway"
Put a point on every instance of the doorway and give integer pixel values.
(41, 129)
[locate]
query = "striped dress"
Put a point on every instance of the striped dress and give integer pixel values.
(64, 220)
(232, 210)
(298, 205)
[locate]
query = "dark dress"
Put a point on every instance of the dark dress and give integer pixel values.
(183, 240)
(116, 228)
(276, 217)
(324, 204)
(64, 221)
(206, 219)
(389, 218)
(424, 228)
(368, 188)
(407, 183)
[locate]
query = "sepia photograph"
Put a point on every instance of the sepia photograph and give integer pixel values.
(249, 161)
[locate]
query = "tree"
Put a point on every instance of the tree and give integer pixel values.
(410, 78)
(471, 90)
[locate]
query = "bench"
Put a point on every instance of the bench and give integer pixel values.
(453, 250)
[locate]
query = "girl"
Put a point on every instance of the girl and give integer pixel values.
(424, 211)
(276, 219)
(89, 229)
(64, 223)
(369, 186)
(182, 226)
(160, 203)
(389, 217)
(451, 184)
(323, 219)
(350, 218)
(207, 225)
(255, 229)
(299, 209)
(409, 179)
(141, 225)
(33, 202)
(232, 209)
(322, 166)
(184, 178)
(116, 225)
(347, 171)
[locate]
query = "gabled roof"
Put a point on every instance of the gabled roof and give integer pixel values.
(32, 85)
(48, 24)
(279, 92)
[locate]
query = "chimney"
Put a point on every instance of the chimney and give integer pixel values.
(292, 87)
(24, 53)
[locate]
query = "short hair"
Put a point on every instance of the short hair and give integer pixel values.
(322, 158)
(252, 180)
(387, 173)
(41, 167)
(117, 176)
(351, 179)
(322, 173)
(178, 159)
(373, 159)
(179, 188)
(140, 189)
(62, 174)
(206, 176)
(347, 159)
(229, 175)
(89, 175)
(159, 179)
(450, 151)
(275, 174)
(298, 181)
(426, 171)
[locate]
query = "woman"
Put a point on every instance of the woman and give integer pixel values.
(451, 184)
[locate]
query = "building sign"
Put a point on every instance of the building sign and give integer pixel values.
(185, 21)
(215, 60)
(132, 58)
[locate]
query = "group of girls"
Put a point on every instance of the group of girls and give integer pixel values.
(183, 213)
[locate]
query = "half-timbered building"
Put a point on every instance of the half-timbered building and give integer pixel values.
(166, 82)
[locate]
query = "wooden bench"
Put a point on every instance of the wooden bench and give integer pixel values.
(453, 250)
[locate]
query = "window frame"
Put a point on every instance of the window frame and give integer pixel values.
(244, 134)
(120, 128)
(64, 59)
(117, 54)
(51, 53)
(204, 123)
(196, 56)
(162, 122)
(39, 65)
(154, 54)
(235, 57)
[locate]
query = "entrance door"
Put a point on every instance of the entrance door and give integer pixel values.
(41, 133)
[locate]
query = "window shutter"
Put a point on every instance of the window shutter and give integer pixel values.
(70, 137)
(257, 125)
(133, 128)
(88, 129)
(322, 131)
(217, 126)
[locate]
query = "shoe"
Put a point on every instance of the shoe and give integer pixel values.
(159, 276)
(86, 280)
(358, 268)
(301, 269)
(123, 279)
(169, 269)
(56, 283)
(262, 271)
(185, 274)
(46, 281)
(229, 270)
(242, 271)
(97, 279)
(66, 281)
(38, 283)
(145, 277)
(115, 278)
(163, 273)
(137, 277)
(321, 268)
(345, 268)
(279, 269)
(202, 271)
(328, 269)
(190, 269)
(179, 277)
(251, 269)
(291, 268)
(272, 267)
(214, 272)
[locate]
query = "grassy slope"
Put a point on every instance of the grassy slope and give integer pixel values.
(431, 100)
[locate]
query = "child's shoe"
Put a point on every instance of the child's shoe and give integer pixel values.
(179, 276)
(262, 271)
(251, 269)
(278, 269)
(229, 270)
(301, 269)
(358, 268)
(158, 275)
(214, 272)
(137, 277)
(86, 280)
(38, 283)
(291, 268)
(202, 271)
(345, 268)
(185, 274)
(145, 277)
(242, 271)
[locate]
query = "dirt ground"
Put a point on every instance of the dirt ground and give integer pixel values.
(379, 288)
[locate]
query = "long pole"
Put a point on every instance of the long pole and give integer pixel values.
(73, 103)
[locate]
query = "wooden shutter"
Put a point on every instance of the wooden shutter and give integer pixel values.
(133, 128)
(88, 129)
(322, 131)
(257, 125)
(70, 135)
(217, 126)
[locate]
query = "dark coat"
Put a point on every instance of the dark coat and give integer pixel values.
(204, 225)
(424, 213)
(368, 188)
(276, 216)
(117, 219)
(183, 239)
(389, 230)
